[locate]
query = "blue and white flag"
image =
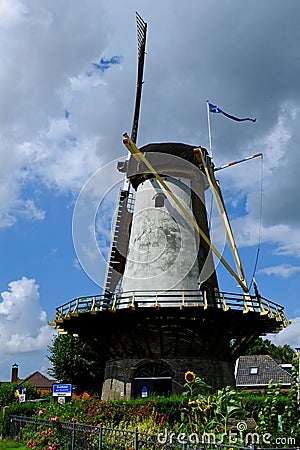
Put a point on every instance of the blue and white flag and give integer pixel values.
(216, 109)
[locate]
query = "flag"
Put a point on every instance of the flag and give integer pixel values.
(216, 109)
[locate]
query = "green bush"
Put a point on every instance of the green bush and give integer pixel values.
(7, 393)
(15, 409)
(253, 402)
(10, 402)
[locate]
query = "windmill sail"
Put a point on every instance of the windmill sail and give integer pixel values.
(141, 37)
(119, 243)
(121, 233)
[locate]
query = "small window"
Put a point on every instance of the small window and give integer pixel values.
(159, 200)
(253, 371)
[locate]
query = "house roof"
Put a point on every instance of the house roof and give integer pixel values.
(259, 370)
(39, 381)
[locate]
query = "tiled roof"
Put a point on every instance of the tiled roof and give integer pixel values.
(39, 381)
(267, 369)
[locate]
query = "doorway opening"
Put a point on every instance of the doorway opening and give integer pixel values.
(152, 379)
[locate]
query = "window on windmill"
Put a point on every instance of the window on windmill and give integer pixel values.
(159, 200)
(253, 371)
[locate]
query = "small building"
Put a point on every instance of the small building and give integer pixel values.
(40, 382)
(36, 380)
(254, 373)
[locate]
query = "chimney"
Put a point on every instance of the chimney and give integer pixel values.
(14, 373)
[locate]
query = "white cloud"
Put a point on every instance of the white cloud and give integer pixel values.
(30, 211)
(53, 64)
(290, 335)
(249, 232)
(11, 12)
(23, 324)
(282, 270)
(58, 159)
(76, 264)
(41, 51)
(267, 191)
(85, 81)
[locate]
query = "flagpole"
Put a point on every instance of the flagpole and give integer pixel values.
(209, 131)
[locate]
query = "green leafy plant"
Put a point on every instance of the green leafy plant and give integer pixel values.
(268, 415)
(208, 412)
(228, 405)
(291, 414)
(7, 393)
(10, 402)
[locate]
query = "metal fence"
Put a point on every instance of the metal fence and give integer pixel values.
(221, 300)
(78, 436)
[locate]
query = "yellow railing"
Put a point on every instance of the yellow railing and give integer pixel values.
(172, 299)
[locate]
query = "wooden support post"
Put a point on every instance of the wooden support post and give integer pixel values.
(132, 304)
(182, 301)
(156, 301)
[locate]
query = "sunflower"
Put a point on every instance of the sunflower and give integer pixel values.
(189, 377)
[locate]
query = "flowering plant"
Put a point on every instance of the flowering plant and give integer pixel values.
(52, 434)
(190, 377)
(44, 438)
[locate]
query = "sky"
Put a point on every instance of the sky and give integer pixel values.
(67, 87)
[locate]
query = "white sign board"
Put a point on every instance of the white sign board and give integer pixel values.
(62, 390)
(22, 398)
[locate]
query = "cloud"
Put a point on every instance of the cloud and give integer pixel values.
(53, 70)
(35, 88)
(23, 323)
(268, 189)
(282, 270)
(58, 159)
(11, 12)
(290, 335)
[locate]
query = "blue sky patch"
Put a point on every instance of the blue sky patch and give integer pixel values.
(105, 63)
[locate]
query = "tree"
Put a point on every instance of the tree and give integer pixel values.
(282, 354)
(76, 361)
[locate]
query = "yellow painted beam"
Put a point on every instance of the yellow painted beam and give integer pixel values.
(130, 145)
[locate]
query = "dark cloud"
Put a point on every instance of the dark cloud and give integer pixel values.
(242, 57)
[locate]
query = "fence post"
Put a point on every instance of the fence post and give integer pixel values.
(3, 420)
(73, 436)
(100, 436)
(136, 439)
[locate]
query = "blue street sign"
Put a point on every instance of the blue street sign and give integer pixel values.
(62, 390)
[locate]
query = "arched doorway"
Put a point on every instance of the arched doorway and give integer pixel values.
(152, 378)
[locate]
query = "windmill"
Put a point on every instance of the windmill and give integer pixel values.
(162, 311)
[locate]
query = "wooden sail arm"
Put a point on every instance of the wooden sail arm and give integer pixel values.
(141, 35)
(209, 171)
(130, 145)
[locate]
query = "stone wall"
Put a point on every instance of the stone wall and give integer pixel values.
(119, 374)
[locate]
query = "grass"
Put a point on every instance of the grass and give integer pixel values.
(6, 444)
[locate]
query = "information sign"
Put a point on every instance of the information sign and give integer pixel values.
(62, 390)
